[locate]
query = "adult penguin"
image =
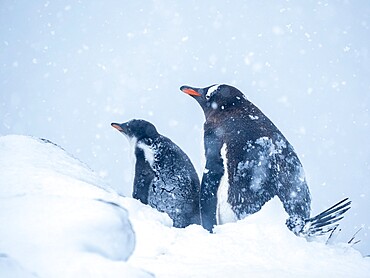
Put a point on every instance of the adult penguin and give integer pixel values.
(165, 178)
(248, 162)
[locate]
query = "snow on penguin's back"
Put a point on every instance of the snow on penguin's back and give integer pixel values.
(61, 220)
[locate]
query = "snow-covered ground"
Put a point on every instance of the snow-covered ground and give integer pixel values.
(59, 219)
(56, 219)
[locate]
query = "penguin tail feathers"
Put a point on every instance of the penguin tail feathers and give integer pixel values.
(326, 221)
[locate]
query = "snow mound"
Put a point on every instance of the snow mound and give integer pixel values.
(257, 246)
(57, 218)
(10, 268)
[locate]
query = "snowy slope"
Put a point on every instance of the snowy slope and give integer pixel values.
(54, 224)
(258, 246)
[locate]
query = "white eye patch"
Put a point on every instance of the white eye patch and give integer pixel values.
(211, 90)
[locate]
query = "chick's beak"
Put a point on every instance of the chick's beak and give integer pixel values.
(117, 126)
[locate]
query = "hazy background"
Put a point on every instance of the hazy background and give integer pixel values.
(70, 68)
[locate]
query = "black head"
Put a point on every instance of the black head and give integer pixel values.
(139, 129)
(215, 97)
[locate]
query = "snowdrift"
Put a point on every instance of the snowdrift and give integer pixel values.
(59, 219)
(56, 218)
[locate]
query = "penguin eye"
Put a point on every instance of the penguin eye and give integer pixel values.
(211, 91)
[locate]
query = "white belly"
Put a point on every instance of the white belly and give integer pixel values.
(132, 142)
(224, 213)
(148, 153)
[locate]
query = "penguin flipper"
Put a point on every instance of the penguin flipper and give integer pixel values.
(327, 220)
(144, 176)
(211, 180)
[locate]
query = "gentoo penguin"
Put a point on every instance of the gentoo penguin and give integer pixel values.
(165, 178)
(248, 162)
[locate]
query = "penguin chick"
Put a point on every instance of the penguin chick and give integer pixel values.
(164, 178)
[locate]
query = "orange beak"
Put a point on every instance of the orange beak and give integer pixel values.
(117, 126)
(191, 92)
